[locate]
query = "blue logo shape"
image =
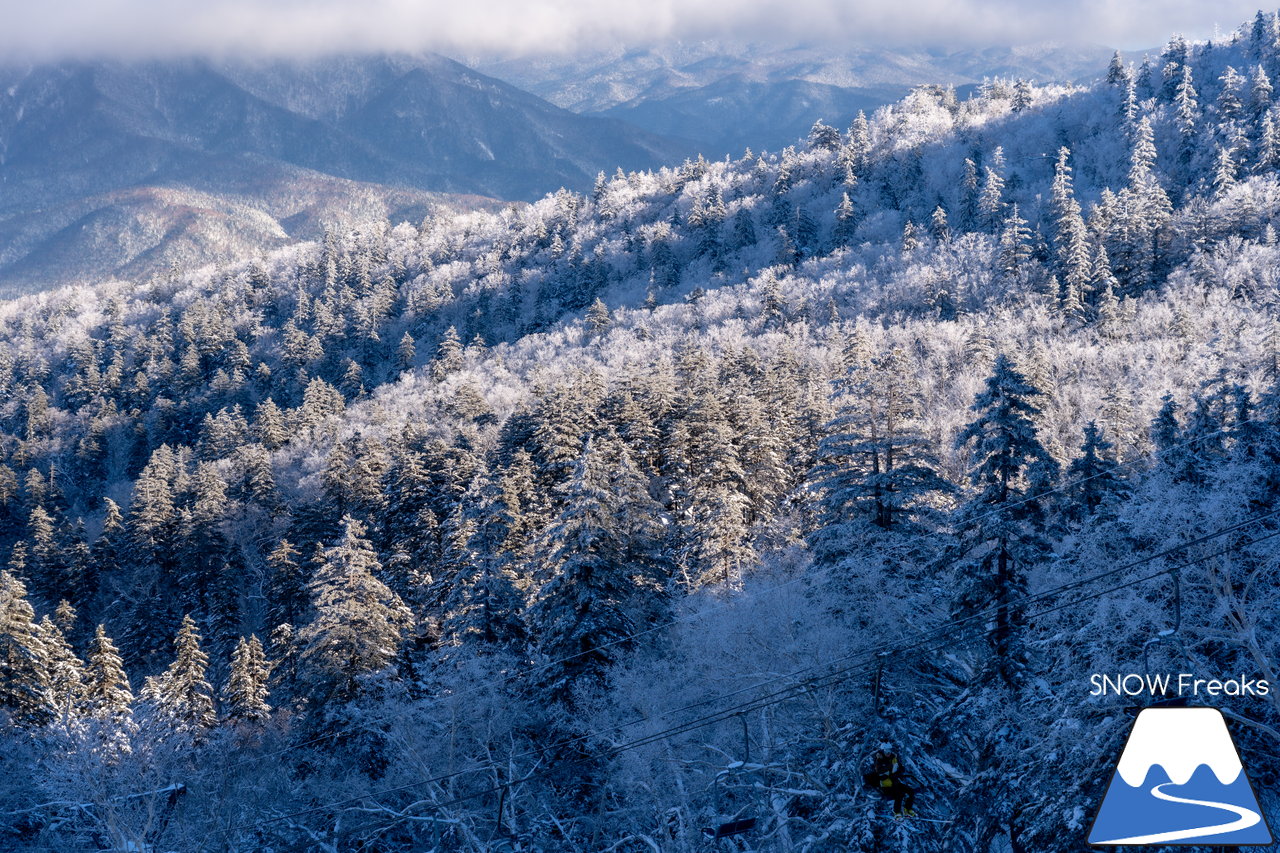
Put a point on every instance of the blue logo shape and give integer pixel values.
(1180, 781)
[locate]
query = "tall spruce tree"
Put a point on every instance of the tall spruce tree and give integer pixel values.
(66, 674)
(106, 686)
(359, 623)
(998, 528)
(244, 696)
(1071, 239)
(484, 603)
(585, 612)
(873, 464)
(24, 658)
(181, 695)
(1093, 485)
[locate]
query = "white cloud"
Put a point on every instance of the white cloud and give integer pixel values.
(56, 28)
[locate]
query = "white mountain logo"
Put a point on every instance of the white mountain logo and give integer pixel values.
(1180, 781)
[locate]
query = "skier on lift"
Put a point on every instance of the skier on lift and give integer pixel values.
(886, 776)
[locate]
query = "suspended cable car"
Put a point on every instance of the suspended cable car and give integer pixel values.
(741, 823)
(1170, 638)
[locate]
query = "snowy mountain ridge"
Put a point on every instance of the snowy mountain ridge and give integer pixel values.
(195, 161)
(733, 95)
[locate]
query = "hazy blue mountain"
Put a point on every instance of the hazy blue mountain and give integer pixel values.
(729, 95)
(114, 168)
(721, 115)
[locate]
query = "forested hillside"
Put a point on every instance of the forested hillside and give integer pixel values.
(588, 525)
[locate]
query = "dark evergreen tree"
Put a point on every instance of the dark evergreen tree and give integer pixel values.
(1093, 487)
(743, 231)
(286, 587)
(47, 561)
(204, 551)
(998, 527)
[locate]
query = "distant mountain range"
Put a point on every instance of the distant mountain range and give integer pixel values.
(121, 169)
(730, 95)
(124, 169)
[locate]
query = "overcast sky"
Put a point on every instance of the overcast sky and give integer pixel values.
(58, 28)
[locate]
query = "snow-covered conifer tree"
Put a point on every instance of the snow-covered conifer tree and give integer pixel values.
(24, 658)
(245, 694)
(873, 465)
(66, 673)
(182, 696)
(586, 609)
(998, 527)
(448, 355)
(106, 687)
(359, 623)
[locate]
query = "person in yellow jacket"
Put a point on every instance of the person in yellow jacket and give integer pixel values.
(886, 776)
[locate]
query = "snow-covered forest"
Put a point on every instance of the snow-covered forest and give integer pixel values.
(592, 523)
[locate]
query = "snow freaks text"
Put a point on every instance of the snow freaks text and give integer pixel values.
(1170, 684)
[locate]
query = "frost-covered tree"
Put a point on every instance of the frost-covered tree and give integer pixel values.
(1187, 106)
(484, 603)
(1071, 239)
(245, 695)
(1230, 100)
(823, 137)
(106, 686)
(358, 624)
(991, 200)
(24, 658)
(842, 233)
(1015, 246)
(873, 463)
(448, 355)
(858, 146)
(1260, 92)
(181, 696)
(583, 615)
(1117, 71)
(66, 674)
(1224, 171)
(598, 317)
(939, 227)
(1268, 157)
